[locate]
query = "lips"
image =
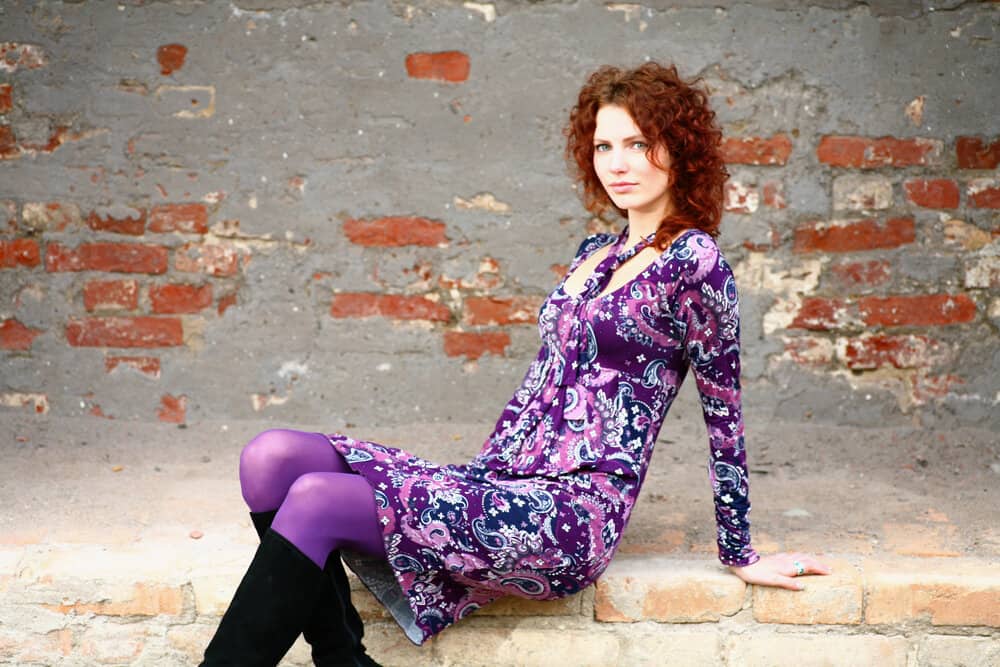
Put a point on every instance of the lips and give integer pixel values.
(622, 186)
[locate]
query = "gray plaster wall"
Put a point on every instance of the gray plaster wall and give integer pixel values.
(289, 118)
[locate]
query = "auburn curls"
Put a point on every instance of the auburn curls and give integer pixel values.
(670, 112)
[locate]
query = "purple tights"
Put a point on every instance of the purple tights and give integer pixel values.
(322, 505)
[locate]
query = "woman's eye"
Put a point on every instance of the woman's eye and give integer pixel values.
(601, 147)
(639, 144)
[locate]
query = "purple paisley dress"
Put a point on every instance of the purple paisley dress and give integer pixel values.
(539, 512)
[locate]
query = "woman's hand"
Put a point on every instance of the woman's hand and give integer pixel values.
(780, 570)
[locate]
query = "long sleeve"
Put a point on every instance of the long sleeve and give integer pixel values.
(707, 308)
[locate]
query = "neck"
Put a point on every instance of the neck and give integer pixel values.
(643, 223)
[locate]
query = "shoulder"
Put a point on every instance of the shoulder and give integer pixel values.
(699, 259)
(593, 242)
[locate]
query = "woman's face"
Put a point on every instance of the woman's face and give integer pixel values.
(630, 179)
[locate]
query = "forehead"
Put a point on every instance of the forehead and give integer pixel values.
(614, 121)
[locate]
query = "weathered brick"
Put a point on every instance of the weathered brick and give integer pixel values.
(451, 66)
(857, 192)
(396, 231)
(111, 294)
(125, 332)
(819, 314)
(982, 269)
(869, 152)
(38, 402)
(173, 409)
(878, 350)
(226, 302)
(814, 352)
(146, 365)
(757, 150)
(924, 388)
(834, 598)
(395, 306)
(9, 148)
(212, 259)
(175, 299)
(921, 539)
(967, 235)
(773, 194)
(945, 591)
(482, 646)
(118, 219)
(6, 103)
(659, 645)
(516, 606)
(916, 310)
(8, 215)
(932, 192)
(186, 218)
(974, 153)
(952, 651)
(473, 344)
(984, 193)
(786, 649)
(14, 55)
(149, 599)
(741, 198)
(19, 252)
(113, 257)
(171, 58)
(665, 590)
(853, 235)
(50, 216)
(16, 336)
(856, 274)
(487, 310)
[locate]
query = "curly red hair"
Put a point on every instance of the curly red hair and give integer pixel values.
(671, 113)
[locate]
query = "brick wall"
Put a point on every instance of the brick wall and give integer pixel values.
(350, 212)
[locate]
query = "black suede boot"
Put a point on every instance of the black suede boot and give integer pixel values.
(334, 630)
(272, 604)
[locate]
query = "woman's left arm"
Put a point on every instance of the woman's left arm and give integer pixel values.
(708, 306)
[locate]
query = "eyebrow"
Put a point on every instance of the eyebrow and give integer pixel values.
(634, 136)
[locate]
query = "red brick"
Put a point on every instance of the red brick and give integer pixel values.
(110, 294)
(740, 198)
(815, 352)
(818, 314)
(917, 310)
(974, 153)
(874, 272)
(213, 259)
(226, 302)
(484, 310)
(452, 66)
(176, 299)
(172, 409)
(394, 306)
(870, 152)
(881, 350)
(171, 58)
(757, 150)
(125, 332)
(187, 218)
(19, 252)
(8, 143)
(774, 194)
(16, 336)
(932, 193)
(473, 344)
(146, 365)
(101, 221)
(984, 193)
(6, 104)
(927, 387)
(114, 257)
(853, 235)
(396, 231)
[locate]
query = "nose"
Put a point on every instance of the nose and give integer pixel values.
(618, 163)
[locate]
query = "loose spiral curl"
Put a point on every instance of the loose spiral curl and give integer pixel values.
(670, 112)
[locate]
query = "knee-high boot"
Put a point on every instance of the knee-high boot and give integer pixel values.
(274, 600)
(334, 630)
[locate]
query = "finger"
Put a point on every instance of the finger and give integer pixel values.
(813, 566)
(787, 582)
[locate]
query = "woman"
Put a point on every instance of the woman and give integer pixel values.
(540, 510)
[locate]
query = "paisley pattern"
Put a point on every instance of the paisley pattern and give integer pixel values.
(539, 511)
